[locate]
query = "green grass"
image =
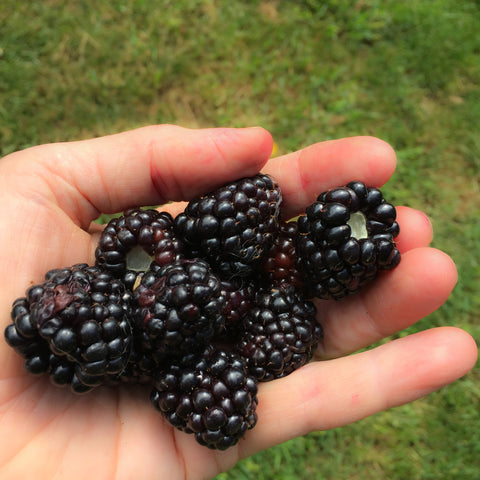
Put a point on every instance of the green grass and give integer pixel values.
(405, 71)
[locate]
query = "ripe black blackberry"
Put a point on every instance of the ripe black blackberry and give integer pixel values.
(210, 395)
(344, 239)
(279, 264)
(74, 326)
(281, 332)
(129, 243)
(179, 308)
(234, 225)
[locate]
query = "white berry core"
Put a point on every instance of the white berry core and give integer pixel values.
(138, 259)
(358, 224)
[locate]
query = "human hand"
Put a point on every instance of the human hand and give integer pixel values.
(49, 196)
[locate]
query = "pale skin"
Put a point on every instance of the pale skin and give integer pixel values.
(49, 196)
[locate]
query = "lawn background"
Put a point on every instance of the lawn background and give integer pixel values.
(405, 71)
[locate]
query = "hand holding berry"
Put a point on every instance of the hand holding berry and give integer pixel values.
(49, 197)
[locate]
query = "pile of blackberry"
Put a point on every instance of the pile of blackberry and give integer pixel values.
(204, 306)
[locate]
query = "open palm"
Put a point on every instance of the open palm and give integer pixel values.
(49, 196)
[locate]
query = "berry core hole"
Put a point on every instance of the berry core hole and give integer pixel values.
(138, 259)
(358, 224)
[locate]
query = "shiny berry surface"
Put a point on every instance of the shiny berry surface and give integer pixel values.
(234, 225)
(344, 239)
(211, 396)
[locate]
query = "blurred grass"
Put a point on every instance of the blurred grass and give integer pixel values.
(407, 72)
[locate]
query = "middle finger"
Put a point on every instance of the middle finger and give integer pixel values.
(418, 286)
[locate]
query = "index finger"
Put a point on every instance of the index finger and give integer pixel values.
(147, 166)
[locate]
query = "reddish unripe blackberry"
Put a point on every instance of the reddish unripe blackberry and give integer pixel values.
(179, 308)
(74, 326)
(279, 264)
(344, 239)
(239, 293)
(234, 225)
(129, 243)
(210, 395)
(281, 332)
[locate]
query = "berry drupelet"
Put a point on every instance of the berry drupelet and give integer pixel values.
(234, 225)
(210, 395)
(280, 333)
(179, 308)
(344, 239)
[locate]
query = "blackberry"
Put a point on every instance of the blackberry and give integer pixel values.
(344, 239)
(129, 243)
(74, 326)
(210, 395)
(179, 308)
(82, 314)
(281, 332)
(234, 225)
(279, 264)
